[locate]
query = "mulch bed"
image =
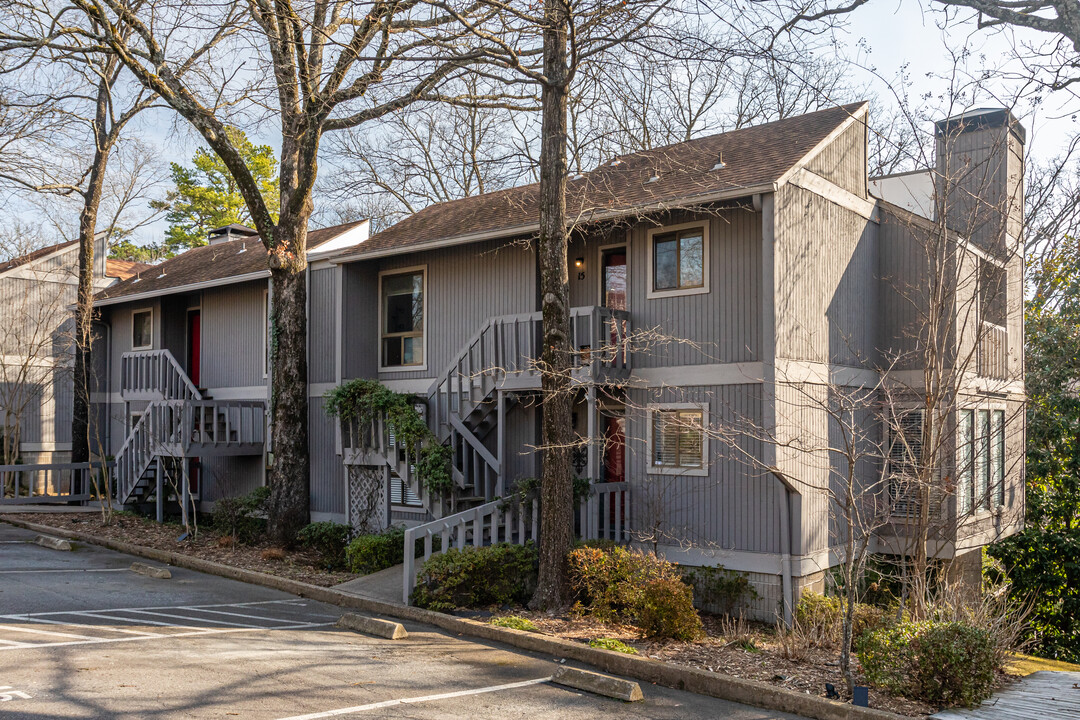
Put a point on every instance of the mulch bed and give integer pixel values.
(294, 564)
(752, 652)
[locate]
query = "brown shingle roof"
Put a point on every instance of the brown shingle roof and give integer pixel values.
(124, 269)
(752, 157)
(220, 261)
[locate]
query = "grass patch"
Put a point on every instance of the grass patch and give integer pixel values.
(515, 623)
(613, 644)
(1027, 664)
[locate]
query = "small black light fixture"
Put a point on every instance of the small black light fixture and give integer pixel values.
(579, 263)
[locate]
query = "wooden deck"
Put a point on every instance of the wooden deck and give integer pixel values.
(1043, 695)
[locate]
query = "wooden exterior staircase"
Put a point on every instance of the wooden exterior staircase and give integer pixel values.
(177, 423)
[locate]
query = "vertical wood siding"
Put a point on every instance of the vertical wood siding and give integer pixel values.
(465, 286)
(327, 470)
(322, 325)
(825, 258)
(233, 335)
(735, 507)
(230, 477)
(720, 326)
(843, 161)
(360, 320)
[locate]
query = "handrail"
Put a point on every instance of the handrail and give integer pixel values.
(605, 514)
(62, 482)
(475, 527)
(155, 372)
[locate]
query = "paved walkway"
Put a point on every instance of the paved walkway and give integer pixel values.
(1044, 695)
(384, 585)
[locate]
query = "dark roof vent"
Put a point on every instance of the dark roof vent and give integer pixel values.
(229, 232)
(720, 164)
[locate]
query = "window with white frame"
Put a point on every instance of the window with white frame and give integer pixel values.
(678, 439)
(142, 329)
(980, 463)
(679, 260)
(403, 309)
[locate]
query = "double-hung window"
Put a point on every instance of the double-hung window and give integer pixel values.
(905, 461)
(980, 460)
(403, 320)
(679, 262)
(142, 329)
(678, 440)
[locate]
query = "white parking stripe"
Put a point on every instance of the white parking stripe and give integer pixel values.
(156, 613)
(292, 603)
(15, 643)
(252, 617)
(65, 570)
(29, 618)
(133, 621)
(101, 641)
(410, 701)
(13, 628)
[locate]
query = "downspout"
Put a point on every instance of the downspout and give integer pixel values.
(785, 548)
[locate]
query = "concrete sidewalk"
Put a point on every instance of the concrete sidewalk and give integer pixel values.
(385, 585)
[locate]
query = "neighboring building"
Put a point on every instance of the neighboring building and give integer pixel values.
(723, 290)
(37, 292)
(184, 345)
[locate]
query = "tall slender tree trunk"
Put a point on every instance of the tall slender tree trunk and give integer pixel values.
(84, 305)
(556, 492)
(290, 499)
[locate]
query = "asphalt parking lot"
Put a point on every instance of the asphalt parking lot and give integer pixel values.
(83, 637)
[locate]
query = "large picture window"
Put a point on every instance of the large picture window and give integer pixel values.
(403, 319)
(678, 439)
(142, 329)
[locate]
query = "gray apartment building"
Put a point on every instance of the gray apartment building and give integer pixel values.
(745, 307)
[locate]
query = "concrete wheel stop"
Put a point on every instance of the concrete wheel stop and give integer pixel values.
(53, 543)
(372, 626)
(598, 684)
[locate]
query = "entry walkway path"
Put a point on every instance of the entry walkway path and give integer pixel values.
(1044, 695)
(384, 585)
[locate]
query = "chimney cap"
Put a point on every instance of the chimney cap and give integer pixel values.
(230, 232)
(979, 118)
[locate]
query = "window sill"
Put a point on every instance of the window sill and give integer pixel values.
(403, 368)
(678, 472)
(659, 294)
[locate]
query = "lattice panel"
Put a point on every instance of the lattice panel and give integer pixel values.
(367, 499)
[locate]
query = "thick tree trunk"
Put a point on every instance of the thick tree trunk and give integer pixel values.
(84, 307)
(556, 492)
(289, 478)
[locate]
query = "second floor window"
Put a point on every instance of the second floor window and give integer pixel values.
(142, 330)
(679, 260)
(403, 319)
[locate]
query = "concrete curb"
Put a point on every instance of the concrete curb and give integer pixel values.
(53, 543)
(748, 692)
(150, 571)
(597, 684)
(372, 626)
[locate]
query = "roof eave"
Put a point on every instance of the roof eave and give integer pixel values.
(729, 194)
(133, 297)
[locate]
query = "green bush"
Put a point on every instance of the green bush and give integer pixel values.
(609, 580)
(477, 577)
(613, 644)
(514, 622)
(723, 589)
(371, 553)
(329, 540)
(242, 517)
(667, 610)
(945, 663)
(615, 582)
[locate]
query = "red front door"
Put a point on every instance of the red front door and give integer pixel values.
(614, 449)
(194, 346)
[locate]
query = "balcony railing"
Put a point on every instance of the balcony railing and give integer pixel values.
(154, 375)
